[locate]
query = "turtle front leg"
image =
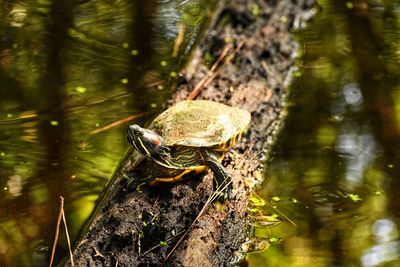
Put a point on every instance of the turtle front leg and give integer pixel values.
(182, 176)
(222, 179)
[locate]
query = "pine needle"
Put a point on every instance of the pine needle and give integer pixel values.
(53, 252)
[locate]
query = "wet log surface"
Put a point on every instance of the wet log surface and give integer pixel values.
(133, 228)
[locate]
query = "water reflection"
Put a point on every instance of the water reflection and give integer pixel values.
(387, 248)
(68, 68)
(334, 167)
(359, 150)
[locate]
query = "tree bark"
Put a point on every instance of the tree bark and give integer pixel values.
(141, 228)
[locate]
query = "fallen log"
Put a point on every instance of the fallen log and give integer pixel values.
(132, 228)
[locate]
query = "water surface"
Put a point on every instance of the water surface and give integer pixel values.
(68, 69)
(333, 178)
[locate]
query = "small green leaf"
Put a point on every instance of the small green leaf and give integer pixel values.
(228, 40)
(349, 5)
(275, 216)
(276, 199)
(274, 240)
(254, 210)
(354, 197)
(80, 89)
(258, 202)
(255, 10)
(297, 74)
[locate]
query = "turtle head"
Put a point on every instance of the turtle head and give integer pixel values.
(135, 130)
(147, 142)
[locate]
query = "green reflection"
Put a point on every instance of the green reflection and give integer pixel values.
(337, 155)
(68, 68)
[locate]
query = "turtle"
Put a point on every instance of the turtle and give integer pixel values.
(189, 138)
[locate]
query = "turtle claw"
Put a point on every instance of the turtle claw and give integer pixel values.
(224, 192)
(229, 192)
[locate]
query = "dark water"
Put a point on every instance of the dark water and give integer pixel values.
(68, 68)
(334, 176)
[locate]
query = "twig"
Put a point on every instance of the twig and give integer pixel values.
(57, 233)
(118, 122)
(207, 78)
(67, 234)
(213, 72)
(211, 78)
(230, 56)
(197, 88)
(223, 54)
(179, 39)
(283, 214)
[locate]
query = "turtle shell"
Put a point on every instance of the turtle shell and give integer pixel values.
(200, 123)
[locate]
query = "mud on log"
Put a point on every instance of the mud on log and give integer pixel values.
(141, 228)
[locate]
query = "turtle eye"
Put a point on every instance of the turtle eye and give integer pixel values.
(136, 130)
